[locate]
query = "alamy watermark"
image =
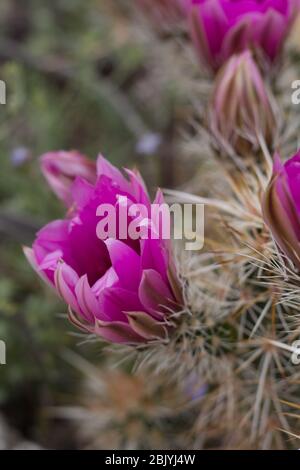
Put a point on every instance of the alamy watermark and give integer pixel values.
(2, 92)
(2, 353)
(154, 221)
(296, 353)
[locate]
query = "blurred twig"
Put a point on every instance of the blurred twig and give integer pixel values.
(11, 50)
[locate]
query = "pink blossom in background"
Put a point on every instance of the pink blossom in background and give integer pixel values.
(281, 206)
(121, 290)
(220, 28)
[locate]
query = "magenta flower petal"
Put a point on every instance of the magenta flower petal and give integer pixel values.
(154, 292)
(50, 246)
(120, 289)
(109, 279)
(65, 282)
(115, 300)
(155, 251)
(50, 262)
(292, 168)
(215, 24)
(122, 256)
(89, 305)
(221, 28)
(104, 168)
(118, 332)
(81, 191)
(154, 256)
(138, 189)
(281, 207)
(89, 254)
(30, 256)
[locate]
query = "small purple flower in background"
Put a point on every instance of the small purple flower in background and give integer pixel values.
(19, 156)
(281, 206)
(194, 388)
(148, 143)
(121, 290)
(220, 28)
(243, 111)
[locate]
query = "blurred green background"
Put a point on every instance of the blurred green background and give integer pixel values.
(75, 79)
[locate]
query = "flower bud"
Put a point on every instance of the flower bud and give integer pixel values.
(243, 110)
(221, 28)
(281, 206)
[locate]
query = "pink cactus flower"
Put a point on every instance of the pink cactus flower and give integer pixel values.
(120, 289)
(281, 206)
(220, 28)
